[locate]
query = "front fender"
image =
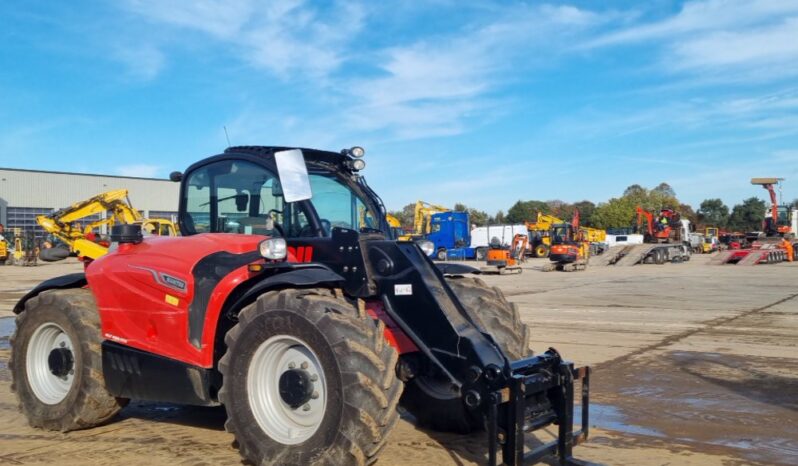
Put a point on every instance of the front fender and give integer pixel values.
(306, 276)
(73, 280)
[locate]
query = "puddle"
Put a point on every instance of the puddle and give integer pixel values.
(6, 329)
(611, 418)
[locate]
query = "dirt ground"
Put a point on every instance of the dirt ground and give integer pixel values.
(693, 365)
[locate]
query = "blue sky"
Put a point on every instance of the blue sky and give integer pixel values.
(477, 102)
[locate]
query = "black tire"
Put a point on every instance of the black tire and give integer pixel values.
(87, 403)
(429, 398)
(541, 250)
(480, 254)
(661, 257)
(362, 390)
(53, 254)
(441, 254)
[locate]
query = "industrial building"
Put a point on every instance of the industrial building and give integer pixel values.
(24, 194)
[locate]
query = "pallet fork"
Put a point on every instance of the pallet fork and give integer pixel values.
(541, 392)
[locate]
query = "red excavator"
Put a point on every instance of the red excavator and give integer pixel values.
(666, 228)
(569, 249)
(781, 221)
(777, 220)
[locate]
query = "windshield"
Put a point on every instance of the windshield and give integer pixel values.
(339, 206)
(559, 234)
(237, 196)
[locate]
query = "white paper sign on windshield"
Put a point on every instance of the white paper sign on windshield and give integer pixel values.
(293, 175)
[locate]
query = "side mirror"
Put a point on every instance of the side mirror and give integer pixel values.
(176, 177)
(242, 200)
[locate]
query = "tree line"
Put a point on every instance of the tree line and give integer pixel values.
(619, 212)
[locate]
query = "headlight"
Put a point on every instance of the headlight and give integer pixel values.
(358, 164)
(427, 246)
(273, 248)
(357, 152)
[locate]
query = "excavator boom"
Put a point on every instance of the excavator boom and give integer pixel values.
(769, 184)
(112, 206)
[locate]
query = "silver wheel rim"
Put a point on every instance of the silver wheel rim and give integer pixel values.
(281, 422)
(49, 388)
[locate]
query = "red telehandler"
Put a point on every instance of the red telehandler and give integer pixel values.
(286, 301)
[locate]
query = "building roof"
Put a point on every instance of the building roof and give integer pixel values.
(82, 174)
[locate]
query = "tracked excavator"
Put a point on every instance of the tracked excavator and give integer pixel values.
(115, 207)
(570, 250)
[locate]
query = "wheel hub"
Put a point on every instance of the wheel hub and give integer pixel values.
(60, 362)
(296, 387)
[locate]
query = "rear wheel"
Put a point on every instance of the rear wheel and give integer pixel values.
(57, 365)
(429, 397)
(308, 379)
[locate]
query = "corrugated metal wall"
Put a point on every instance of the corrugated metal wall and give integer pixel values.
(22, 188)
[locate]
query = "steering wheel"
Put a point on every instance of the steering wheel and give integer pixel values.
(307, 230)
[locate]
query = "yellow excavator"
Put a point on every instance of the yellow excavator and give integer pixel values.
(396, 226)
(115, 207)
(540, 233)
(3, 249)
(421, 220)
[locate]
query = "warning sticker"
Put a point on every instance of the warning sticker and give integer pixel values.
(403, 290)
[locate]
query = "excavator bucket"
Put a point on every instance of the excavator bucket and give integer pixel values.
(765, 181)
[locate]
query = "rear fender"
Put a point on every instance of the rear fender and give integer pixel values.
(73, 280)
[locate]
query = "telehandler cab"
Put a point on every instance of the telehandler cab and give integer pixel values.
(285, 304)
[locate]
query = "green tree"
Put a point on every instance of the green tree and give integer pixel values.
(618, 212)
(498, 218)
(586, 211)
(748, 216)
(687, 213)
(713, 212)
(406, 215)
(476, 217)
(523, 211)
(665, 190)
(634, 190)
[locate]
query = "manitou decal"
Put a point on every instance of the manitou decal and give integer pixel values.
(300, 253)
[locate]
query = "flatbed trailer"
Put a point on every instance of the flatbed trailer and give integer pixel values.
(643, 254)
(753, 256)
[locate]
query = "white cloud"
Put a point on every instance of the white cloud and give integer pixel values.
(286, 37)
(432, 87)
(756, 47)
(139, 170)
(220, 18)
(144, 61)
(730, 39)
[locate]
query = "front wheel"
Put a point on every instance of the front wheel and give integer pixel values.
(429, 397)
(541, 250)
(308, 380)
(56, 362)
(441, 255)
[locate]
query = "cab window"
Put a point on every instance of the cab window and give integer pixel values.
(234, 197)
